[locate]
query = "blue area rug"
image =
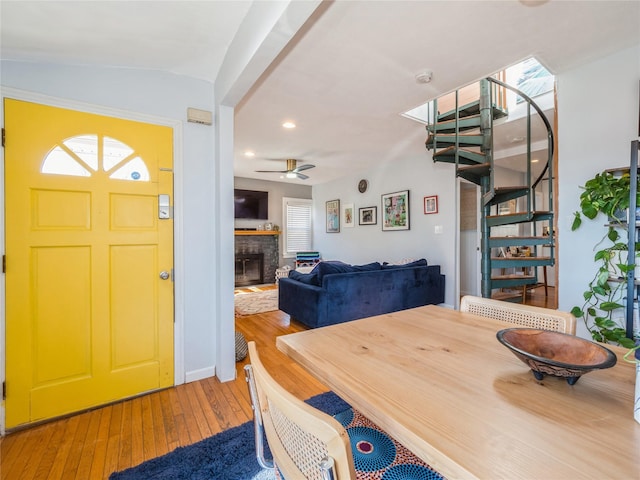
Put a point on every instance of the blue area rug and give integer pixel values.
(229, 455)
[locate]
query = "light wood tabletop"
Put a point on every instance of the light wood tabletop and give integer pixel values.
(439, 382)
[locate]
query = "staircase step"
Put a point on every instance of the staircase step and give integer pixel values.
(465, 156)
(504, 194)
(513, 280)
(449, 126)
(469, 109)
(447, 139)
(520, 262)
(474, 173)
(514, 295)
(519, 217)
(495, 242)
(508, 296)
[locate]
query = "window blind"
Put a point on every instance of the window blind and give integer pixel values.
(297, 225)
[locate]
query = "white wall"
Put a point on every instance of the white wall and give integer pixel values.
(597, 119)
(168, 96)
(368, 243)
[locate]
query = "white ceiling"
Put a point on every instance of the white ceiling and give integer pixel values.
(183, 37)
(344, 79)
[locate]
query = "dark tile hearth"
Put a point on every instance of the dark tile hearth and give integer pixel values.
(249, 246)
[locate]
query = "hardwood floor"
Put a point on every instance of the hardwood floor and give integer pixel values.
(535, 297)
(92, 445)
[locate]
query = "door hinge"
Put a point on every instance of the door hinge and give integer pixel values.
(4, 264)
(4, 390)
(3, 136)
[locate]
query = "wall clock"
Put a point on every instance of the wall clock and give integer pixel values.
(363, 185)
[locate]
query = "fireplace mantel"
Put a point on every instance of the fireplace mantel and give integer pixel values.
(257, 232)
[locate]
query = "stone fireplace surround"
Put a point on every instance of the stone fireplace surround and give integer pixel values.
(256, 242)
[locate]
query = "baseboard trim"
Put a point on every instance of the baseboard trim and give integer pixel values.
(200, 374)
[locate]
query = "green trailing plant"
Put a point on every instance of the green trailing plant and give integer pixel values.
(603, 307)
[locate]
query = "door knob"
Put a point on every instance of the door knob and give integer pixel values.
(164, 275)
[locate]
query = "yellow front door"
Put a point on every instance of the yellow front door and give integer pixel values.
(89, 318)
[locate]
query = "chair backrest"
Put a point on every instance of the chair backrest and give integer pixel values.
(525, 315)
(304, 441)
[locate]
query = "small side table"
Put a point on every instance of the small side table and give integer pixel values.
(282, 272)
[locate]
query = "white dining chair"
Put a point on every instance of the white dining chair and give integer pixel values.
(525, 315)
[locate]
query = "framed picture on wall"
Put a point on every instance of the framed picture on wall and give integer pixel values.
(368, 216)
(333, 216)
(431, 204)
(348, 215)
(395, 211)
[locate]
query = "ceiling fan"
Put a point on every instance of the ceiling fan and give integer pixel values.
(292, 170)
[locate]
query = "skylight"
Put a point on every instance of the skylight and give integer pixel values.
(532, 78)
(528, 76)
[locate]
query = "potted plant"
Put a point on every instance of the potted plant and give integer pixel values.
(603, 307)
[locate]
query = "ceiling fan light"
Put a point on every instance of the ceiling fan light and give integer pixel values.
(291, 175)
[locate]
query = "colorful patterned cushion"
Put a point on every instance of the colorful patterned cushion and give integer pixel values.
(376, 455)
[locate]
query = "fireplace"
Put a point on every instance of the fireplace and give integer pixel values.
(256, 257)
(249, 269)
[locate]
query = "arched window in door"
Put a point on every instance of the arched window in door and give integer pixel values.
(86, 155)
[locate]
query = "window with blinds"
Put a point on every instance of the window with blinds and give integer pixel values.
(297, 225)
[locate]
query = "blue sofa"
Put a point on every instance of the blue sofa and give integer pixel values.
(335, 292)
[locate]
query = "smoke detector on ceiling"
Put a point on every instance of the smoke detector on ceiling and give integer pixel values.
(424, 77)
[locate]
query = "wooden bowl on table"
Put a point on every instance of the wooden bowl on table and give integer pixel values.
(554, 353)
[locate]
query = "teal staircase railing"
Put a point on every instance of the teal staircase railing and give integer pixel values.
(464, 136)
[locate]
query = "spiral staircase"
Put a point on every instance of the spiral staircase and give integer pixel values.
(464, 136)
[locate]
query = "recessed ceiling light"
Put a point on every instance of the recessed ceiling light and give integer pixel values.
(517, 139)
(535, 160)
(289, 125)
(249, 153)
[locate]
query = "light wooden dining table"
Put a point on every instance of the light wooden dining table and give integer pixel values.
(438, 381)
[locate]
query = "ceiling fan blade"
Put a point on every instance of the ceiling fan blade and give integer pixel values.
(303, 167)
(291, 169)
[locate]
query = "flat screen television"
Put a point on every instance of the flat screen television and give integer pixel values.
(251, 204)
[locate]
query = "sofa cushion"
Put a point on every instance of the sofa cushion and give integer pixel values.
(330, 268)
(310, 278)
(333, 267)
(417, 263)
